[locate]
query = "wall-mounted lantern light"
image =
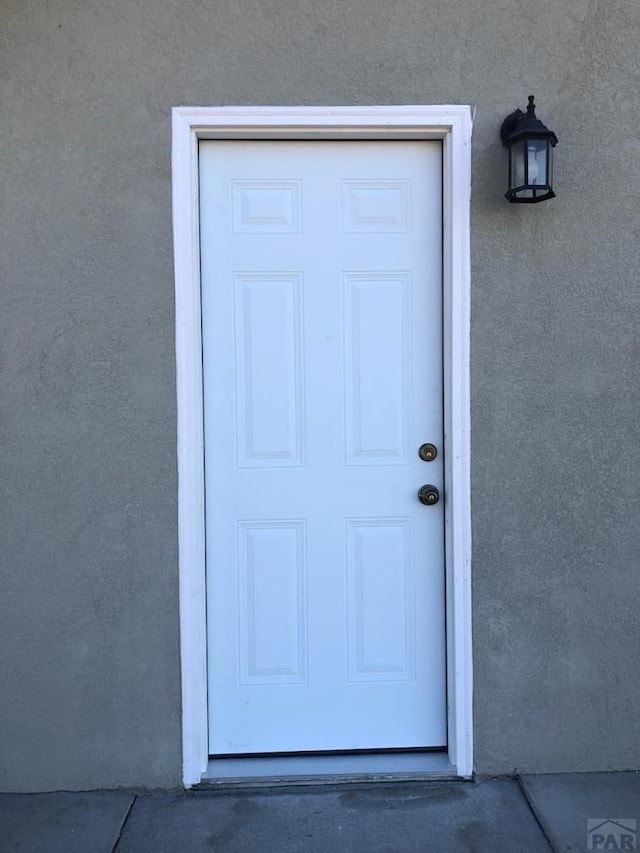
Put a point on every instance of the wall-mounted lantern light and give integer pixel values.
(530, 145)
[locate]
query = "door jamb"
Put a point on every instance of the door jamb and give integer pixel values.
(451, 124)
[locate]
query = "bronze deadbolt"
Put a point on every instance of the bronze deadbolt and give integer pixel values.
(427, 452)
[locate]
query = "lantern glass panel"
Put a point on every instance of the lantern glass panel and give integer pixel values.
(516, 163)
(537, 161)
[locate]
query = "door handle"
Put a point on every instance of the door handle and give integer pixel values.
(428, 495)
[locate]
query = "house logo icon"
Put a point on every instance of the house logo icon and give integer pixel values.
(611, 833)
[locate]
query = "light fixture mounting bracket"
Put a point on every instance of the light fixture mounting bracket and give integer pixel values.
(510, 124)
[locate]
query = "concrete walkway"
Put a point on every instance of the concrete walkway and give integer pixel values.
(534, 814)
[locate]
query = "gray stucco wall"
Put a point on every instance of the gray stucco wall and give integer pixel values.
(90, 667)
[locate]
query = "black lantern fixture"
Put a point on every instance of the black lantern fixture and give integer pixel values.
(530, 145)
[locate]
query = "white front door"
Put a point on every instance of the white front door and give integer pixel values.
(322, 347)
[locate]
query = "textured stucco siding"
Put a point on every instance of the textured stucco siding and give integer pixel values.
(88, 536)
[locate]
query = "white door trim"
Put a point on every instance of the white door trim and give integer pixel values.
(453, 125)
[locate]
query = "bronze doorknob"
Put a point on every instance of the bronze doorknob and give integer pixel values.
(428, 495)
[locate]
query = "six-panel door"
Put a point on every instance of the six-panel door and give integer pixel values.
(322, 347)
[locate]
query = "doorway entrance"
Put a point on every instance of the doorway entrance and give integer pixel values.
(325, 628)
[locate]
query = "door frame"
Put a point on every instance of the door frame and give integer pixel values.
(452, 125)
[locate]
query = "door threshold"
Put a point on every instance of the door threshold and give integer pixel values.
(327, 769)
